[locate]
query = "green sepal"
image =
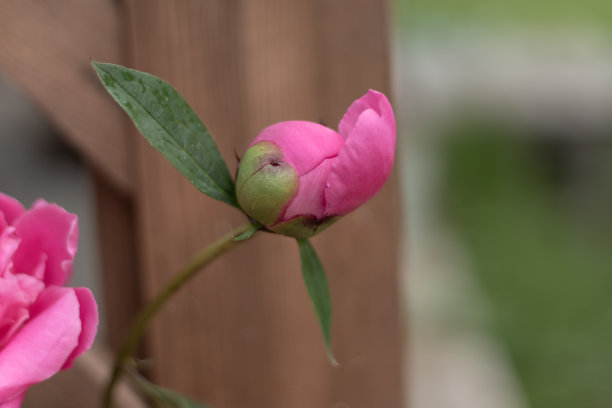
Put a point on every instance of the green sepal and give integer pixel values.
(304, 226)
(266, 183)
(166, 120)
(318, 289)
(255, 226)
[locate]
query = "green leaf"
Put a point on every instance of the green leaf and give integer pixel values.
(160, 396)
(255, 226)
(316, 284)
(170, 125)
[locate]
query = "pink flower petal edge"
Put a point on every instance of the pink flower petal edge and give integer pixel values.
(304, 144)
(88, 315)
(47, 231)
(310, 197)
(10, 208)
(44, 326)
(366, 159)
(42, 346)
(14, 403)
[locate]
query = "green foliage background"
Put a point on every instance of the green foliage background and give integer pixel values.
(537, 227)
(535, 13)
(543, 256)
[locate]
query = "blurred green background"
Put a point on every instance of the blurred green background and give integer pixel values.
(538, 228)
(507, 115)
(549, 13)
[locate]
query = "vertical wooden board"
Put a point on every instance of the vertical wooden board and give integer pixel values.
(208, 338)
(318, 58)
(281, 73)
(360, 252)
(244, 333)
(119, 259)
(46, 47)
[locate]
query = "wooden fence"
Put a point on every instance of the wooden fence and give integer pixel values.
(243, 334)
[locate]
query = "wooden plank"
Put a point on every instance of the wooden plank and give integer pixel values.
(82, 385)
(361, 254)
(119, 259)
(244, 334)
(46, 48)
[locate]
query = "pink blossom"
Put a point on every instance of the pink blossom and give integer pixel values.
(44, 325)
(297, 177)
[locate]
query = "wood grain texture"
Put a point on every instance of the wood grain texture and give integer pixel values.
(119, 259)
(46, 47)
(244, 333)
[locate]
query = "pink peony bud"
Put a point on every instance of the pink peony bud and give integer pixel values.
(44, 325)
(298, 177)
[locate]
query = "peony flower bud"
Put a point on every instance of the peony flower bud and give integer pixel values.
(298, 177)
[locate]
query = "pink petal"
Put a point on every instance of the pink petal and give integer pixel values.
(364, 163)
(88, 312)
(41, 202)
(11, 208)
(13, 403)
(371, 100)
(8, 245)
(304, 144)
(47, 232)
(42, 346)
(310, 197)
(18, 293)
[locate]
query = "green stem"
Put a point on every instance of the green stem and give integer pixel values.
(139, 325)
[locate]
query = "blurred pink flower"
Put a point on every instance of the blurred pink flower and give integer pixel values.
(44, 326)
(297, 177)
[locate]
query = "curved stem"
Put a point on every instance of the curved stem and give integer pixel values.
(139, 325)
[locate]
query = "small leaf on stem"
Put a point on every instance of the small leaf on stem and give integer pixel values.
(170, 125)
(255, 226)
(160, 396)
(316, 284)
